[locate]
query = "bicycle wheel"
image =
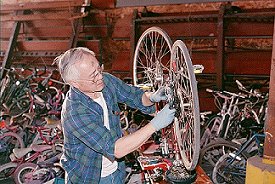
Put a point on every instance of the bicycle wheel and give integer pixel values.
(186, 102)
(151, 58)
(24, 173)
(210, 154)
(229, 169)
(19, 106)
(9, 141)
(6, 172)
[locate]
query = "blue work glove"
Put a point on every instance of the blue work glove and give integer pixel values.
(163, 118)
(158, 95)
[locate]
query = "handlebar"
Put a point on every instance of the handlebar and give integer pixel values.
(224, 94)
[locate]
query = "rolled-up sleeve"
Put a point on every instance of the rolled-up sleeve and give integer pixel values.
(130, 95)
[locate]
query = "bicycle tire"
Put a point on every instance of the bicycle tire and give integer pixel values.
(6, 171)
(19, 106)
(151, 58)
(235, 177)
(8, 142)
(23, 173)
(187, 120)
(210, 154)
(210, 129)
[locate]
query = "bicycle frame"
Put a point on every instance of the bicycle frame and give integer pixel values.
(235, 164)
(227, 117)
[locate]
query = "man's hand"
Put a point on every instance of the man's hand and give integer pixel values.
(163, 118)
(158, 95)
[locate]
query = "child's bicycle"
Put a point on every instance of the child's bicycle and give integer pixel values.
(158, 63)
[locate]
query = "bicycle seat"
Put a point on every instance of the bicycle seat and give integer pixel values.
(40, 148)
(19, 152)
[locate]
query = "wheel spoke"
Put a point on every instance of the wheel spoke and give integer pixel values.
(151, 58)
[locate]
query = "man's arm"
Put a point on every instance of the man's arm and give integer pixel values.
(146, 99)
(149, 98)
(131, 142)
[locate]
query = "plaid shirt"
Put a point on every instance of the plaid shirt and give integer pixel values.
(86, 138)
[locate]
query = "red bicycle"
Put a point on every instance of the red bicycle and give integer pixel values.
(159, 63)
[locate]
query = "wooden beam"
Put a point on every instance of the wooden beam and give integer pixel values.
(11, 46)
(41, 5)
(40, 33)
(248, 63)
(127, 3)
(106, 4)
(43, 16)
(249, 29)
(49, 45)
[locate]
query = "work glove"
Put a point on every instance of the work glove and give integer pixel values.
(158, 95)
(163, 118)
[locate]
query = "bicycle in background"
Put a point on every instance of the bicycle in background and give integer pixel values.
(231, 167)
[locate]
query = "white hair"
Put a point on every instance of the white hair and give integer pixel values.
(66, 61)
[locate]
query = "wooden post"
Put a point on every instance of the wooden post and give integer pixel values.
(269, 148)
(219, 65)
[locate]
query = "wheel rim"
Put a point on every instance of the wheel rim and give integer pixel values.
(187, 122)
(211, 153)
(6, 171)
(228, 171)
(20, 106)
(26, 174)
(9, 141)
(151, 58)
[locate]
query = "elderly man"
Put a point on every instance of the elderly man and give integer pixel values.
(93, 139)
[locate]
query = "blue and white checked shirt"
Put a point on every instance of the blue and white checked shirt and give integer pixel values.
(86, 138)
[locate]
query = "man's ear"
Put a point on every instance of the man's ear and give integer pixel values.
(74, 84)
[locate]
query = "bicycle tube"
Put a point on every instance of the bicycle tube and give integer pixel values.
(222, 132)
(210, 130)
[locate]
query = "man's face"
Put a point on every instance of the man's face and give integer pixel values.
(90, 79)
